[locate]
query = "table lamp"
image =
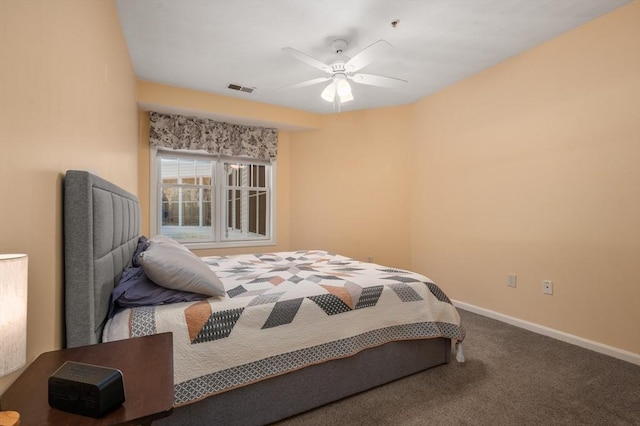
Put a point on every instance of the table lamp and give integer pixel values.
(13, 320)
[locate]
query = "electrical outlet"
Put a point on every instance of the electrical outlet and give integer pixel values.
(512, 279)
(547, 287)
(369, 259)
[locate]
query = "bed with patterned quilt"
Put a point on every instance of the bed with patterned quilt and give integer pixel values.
(261, 336)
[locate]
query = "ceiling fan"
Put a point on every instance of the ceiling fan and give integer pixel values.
(340, 69)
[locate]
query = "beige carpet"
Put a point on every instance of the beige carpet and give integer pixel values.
(511, 377)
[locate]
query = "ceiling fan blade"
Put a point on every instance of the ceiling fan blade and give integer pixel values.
(378, 80)
(378, 49)
(307, 59)
(307, 83)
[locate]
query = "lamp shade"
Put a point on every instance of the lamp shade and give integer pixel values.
(329, 92)
(13, 312)
(343, 87)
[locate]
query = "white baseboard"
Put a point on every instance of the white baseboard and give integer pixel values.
(556, 334)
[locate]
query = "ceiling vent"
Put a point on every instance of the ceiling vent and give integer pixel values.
(241, 88)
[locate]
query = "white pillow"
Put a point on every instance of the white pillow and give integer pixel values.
(173, 267)
(163, 239)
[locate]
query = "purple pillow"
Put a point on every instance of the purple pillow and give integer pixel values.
(143, 244)
(136, 289)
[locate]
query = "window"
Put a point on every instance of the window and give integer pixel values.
(207, 202)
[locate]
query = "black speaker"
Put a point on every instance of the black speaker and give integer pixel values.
(86, 389)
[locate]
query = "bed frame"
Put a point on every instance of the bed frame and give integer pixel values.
(101, 229)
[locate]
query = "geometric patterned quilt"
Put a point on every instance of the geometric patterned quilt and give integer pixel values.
(285, 311)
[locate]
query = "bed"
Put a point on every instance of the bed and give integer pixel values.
(101, 235)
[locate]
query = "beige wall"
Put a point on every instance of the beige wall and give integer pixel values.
(358, 160)
(533, 168)
(163, 98)
(67, 102)
(350, 188)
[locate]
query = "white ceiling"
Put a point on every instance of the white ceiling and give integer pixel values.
(207, 44)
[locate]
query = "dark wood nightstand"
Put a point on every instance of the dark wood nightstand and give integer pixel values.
(146, 364)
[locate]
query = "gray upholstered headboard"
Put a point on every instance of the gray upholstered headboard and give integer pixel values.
(101, 228)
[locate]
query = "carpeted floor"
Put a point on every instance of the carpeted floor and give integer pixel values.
(511, 377)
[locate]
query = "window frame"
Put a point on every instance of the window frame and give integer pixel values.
(218, 199)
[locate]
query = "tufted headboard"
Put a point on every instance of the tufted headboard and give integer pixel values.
(101, 228)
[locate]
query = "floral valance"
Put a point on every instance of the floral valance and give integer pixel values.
(192, 133)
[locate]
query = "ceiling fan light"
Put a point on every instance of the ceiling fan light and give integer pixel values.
(343, 87)
(329, 92)
(346, 98)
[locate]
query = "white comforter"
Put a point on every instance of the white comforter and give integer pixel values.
(284, 311)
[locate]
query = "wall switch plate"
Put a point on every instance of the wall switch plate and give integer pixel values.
(512, 279)
(547, 287)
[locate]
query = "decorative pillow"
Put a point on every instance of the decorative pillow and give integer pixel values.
(136, 289)
(172, 267)
(163, 239)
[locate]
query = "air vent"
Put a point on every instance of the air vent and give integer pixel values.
(241, 88)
